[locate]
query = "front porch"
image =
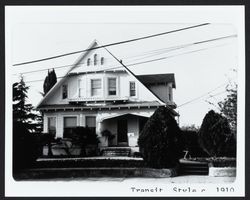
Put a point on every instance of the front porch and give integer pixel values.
(124, 131)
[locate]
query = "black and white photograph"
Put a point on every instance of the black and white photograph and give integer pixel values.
(125, 101)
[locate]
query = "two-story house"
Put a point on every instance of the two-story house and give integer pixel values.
(100, 92)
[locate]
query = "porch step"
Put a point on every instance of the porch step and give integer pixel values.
(116, 151)
(193, 168)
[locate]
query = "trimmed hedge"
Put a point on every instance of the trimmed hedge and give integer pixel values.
(76, 162)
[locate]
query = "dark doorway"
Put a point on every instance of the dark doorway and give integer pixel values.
(122, 131)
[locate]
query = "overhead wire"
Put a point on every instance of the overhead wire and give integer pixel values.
(111, 44)
(164, 50)
(139, 63)
(203, 95)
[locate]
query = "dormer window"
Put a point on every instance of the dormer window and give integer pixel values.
(88, 62)
(95, 59)
(102, 60)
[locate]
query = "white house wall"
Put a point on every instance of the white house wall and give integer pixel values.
(163, 91)
(123, 92)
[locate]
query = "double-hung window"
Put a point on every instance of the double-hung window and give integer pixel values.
(91, 123)
(80, 88)
(52, 125)
(132, 88)
(69, 123)
(112, 86)
(96, 87)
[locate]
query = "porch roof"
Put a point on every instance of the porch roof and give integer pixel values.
(96, 107)
(99, 106)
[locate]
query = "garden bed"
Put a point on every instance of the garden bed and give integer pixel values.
(216, 162)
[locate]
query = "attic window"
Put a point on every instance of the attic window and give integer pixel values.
(88, 62)
(95, 59)
(102, 60)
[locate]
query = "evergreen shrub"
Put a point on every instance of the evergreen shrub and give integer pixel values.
(160, 140)
(215, 136)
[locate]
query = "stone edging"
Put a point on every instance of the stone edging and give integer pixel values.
(222, 171)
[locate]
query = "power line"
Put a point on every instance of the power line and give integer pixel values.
(173, 48)
(216, 94)
(139, 63)
(199, 97)
(112, 44)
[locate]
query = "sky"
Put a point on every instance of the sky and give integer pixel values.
(201, 70)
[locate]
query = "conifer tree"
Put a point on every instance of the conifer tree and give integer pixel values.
(49, 81)
(23, 111)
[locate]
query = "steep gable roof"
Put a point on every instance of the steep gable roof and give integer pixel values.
(59, 83)
(76, 65)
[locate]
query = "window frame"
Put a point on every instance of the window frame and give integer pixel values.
(91, 128)
(130, 82)
(65, 116)
(48, 117)
(95, 59)
(63, 122)
(67, 94)
(91, 89)
(79, 82)
(116, 86)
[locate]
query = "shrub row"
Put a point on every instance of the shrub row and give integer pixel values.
(84, 163)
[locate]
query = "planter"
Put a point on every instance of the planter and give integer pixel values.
(132, 141)
(222, 171)
(103, 141)
(60, 151)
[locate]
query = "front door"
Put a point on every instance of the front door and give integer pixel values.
(122, 131)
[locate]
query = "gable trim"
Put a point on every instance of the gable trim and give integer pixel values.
(59, 83)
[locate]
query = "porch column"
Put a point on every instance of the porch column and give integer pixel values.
(98, 127)
(45, 124)
(82, 120)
